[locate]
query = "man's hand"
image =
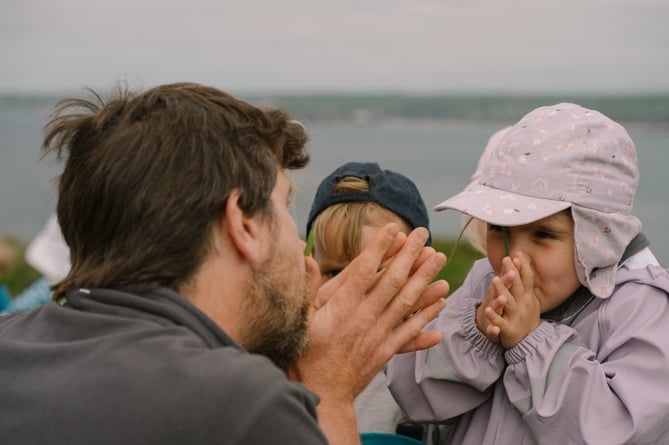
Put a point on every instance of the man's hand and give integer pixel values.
(375, 308)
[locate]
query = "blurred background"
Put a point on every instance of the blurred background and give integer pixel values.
(417, 86)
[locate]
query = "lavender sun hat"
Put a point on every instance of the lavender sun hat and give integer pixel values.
(487, 154)
(559, 157)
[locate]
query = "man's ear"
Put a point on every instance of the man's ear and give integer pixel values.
(245, 232)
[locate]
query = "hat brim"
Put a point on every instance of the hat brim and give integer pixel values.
(500, 207)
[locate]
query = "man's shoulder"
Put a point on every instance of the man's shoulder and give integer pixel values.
(164, 374)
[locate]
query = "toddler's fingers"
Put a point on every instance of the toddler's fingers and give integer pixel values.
(516, 289)
(508, 277)
(526, 273)
(492, 332)
(502, 291)
(493, 329)
(498, 304)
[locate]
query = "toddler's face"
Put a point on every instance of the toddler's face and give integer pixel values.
(548, 244)
(331, 262)
(334, 260)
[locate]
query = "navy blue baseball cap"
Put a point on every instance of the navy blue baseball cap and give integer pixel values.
(387, 188)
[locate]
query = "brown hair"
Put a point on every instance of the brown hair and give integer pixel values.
(147, 175)
(341, 224)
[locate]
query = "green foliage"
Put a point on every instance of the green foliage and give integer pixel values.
(459, 262)
(21, 274)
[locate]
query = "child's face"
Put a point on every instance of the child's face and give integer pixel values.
(333, 261)
(548, 244)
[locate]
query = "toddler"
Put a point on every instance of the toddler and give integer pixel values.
(560, 335)
(350, 206)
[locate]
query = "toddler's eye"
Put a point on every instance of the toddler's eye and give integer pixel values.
(541, 234)
(493, 228)
(328, 274)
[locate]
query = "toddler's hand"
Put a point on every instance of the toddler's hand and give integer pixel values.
(522, 310)
(495, 303)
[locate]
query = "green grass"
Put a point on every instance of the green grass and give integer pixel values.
(21, 274)
(458, 263)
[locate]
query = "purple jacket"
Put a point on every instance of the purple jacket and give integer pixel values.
(596, 374)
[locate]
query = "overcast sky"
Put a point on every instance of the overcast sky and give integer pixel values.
(505, 46)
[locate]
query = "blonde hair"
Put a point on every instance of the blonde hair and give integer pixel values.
(472, 231)
(341, 224)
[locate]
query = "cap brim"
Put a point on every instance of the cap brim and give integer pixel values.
(500, 207)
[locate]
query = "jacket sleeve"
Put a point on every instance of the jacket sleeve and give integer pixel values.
(456, 375)
(569, 394)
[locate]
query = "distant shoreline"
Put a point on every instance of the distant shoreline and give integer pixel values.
(366, 108)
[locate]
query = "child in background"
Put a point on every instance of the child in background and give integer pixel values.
(350, 206)
(7, 261)
(562, 334)
(48, 254)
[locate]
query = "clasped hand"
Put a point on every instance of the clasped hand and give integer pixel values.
(510, 309)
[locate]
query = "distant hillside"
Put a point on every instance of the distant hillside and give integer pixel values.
(365, 108)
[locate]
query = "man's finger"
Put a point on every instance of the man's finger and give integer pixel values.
(409, 336)
(414, 289)
(435, 290)
(395, 275)
(362, 273)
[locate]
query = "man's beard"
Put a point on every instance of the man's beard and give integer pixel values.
(275, 314)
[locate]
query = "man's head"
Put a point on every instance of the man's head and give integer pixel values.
(352, 203)
(147, 175)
